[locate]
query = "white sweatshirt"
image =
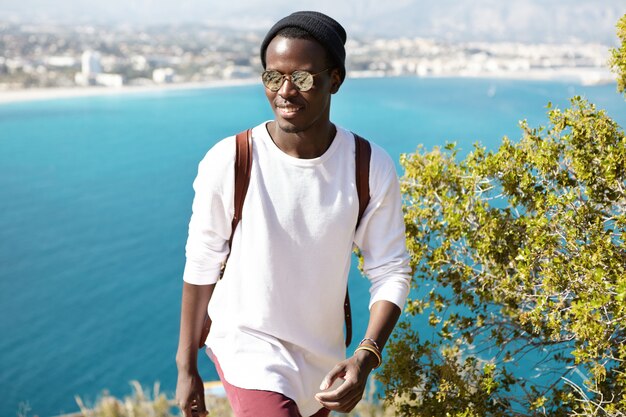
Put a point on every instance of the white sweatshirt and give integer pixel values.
(278, 312)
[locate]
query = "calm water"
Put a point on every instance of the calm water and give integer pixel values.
(95, 196)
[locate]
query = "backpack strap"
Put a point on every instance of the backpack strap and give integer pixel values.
(362, 156)
(243, 168)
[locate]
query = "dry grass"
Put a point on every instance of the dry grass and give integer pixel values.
(143, 403)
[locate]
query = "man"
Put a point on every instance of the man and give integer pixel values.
(277, 332)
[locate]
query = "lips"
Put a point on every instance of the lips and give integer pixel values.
(288, 110)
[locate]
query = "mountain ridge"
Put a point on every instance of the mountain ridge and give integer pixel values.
(454, 20)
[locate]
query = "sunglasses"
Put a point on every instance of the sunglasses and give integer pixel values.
(302, 80)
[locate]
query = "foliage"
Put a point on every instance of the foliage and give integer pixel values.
(520, 260)
(140, 404)
(618, 56)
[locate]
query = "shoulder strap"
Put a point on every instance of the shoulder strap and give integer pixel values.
(362, 156)
(243, 167)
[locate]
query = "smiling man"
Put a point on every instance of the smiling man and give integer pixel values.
(277, 316)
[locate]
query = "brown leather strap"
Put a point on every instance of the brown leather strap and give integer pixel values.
(362, 156)
(243, 168)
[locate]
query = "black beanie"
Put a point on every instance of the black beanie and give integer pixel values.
(324, 29)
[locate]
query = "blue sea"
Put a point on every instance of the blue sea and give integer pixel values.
(95, 198)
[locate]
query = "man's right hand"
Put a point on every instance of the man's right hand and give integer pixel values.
(189, 388)
(190, 394)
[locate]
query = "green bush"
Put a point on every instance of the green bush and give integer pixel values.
(520, 260)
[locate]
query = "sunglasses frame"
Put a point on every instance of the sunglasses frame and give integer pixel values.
(290, 78)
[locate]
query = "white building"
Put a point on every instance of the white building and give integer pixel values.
(163, 75)
(110, 80)
(91, 72)
(91, 63)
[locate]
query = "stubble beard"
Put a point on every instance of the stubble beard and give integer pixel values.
(289, 128)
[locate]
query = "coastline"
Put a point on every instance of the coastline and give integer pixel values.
(52, 93)
(582, 76)
(578, 75)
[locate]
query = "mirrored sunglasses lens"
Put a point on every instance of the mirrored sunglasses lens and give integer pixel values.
(302, 79)
(272, 80)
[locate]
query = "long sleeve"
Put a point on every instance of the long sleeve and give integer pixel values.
(212, 212)
(381, 234)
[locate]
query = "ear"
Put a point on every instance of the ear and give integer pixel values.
(335, 80)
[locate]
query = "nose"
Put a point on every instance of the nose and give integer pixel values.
(287, 88)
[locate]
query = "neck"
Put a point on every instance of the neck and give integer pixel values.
(308, 144)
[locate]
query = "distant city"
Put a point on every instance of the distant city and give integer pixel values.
(62, 56)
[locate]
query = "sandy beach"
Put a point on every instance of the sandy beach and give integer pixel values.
(13, 96)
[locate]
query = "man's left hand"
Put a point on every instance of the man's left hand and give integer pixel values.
(354, 371)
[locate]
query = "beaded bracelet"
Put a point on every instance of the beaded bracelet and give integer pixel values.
(367, 339)
(373, 350)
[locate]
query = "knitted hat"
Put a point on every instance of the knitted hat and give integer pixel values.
(324, 29)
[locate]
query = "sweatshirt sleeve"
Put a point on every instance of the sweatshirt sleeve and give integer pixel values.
(212, 213)
(381, 234)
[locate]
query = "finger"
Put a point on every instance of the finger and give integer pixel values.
(199, 408)
(193, 407)
(347, 389)
(339, 371)
(344, 404)
(201, 404)
(196, 412)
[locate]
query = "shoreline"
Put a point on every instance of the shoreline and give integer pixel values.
(577, 75)
(53, 93)
(582, 76)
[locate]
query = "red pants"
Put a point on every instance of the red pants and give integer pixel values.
(258, 403)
